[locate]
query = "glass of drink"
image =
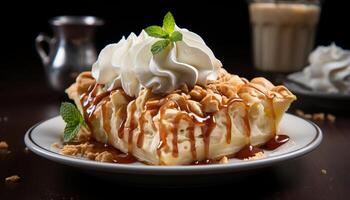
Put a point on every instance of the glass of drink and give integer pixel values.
(283, 33)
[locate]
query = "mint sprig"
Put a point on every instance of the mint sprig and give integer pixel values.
(159, 46)
(156, 31)
(74, 121)
(176, 36)
(169, 23)
(166, 32)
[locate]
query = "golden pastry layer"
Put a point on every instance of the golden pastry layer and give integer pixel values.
(188, 125)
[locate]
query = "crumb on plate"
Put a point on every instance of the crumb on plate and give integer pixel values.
(78, 149)
(300, 113)
(223, 160)
(104, 157)
(3, 145)
(307, 116)
(331, 118)
(318, 117)
(256, 156)
(12, 179)
(323, 171)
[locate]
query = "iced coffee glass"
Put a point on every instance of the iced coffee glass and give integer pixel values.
(283, 33)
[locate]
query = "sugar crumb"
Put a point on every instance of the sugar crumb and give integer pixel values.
(300, 113)
(104, 157)
(331, 118)
(223, 160)
(257, 156)
(308, 116)
(323, 171)
(3, 119)
(3, 145)
(56, 145)
(12, 179)
(26, 150)
(318, 117)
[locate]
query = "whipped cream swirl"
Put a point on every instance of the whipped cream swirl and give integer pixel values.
(329, 70)
(131, 65)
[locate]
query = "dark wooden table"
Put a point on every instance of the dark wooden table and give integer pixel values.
(25, 100)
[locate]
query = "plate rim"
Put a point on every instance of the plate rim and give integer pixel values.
(169, 170)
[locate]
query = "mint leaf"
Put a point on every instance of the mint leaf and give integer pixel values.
(156, 31)
(176, 36)
(166, 32)
(70, 113)
(74, 120)
(169, 23)
(70, 131)
(159, 46)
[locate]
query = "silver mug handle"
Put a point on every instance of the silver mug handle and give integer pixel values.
(39, 41)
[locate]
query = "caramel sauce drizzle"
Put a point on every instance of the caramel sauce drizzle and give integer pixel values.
(178, 118)
(275, 142)
(90, 100)
(207, 129)
(228, 126)
(248, 152)
(162, 128)
(141, 136)
(270, 99)
(132, 126)
(206, 123)
(246, 117)
(192, 142)
(122, 124)
(106, 122)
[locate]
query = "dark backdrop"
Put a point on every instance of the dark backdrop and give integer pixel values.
(224, 25)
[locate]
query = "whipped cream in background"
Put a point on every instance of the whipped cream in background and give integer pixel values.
(131, 65)
(329, 70)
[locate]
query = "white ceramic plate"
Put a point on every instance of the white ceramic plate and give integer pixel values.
(304, 136)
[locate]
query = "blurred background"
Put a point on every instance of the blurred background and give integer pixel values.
(223, 24)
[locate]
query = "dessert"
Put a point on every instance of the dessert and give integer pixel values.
(329, 70)
(166, 100)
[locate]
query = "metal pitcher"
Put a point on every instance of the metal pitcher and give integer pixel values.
(70, 51)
